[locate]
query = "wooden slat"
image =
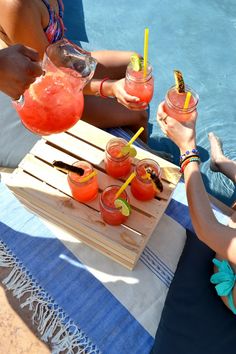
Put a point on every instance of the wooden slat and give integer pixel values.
(88, 132)
(77, 147)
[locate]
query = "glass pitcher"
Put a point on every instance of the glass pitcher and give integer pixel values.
(55, 101)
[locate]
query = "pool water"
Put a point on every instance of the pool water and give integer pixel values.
(196, 37)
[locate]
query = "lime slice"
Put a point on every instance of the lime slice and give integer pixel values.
(132, 152)
(135, 62)
(129, 150)
(123, 205)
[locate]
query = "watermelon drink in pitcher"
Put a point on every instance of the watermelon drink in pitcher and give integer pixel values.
(55, 101)
(52, 104)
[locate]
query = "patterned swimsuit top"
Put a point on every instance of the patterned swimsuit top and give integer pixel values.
(55, 28)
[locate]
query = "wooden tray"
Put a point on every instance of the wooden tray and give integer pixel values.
(44, 190)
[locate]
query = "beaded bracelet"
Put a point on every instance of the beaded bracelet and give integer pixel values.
(188, 157)
(192, 159)
(100, 88)
(188, 152)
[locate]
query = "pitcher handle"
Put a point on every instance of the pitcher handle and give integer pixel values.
(21, 100)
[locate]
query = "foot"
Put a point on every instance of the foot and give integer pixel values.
(216, 151)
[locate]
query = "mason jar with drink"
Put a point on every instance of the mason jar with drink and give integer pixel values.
(114, 211)
(139, 81)
(117, 162)
(84, 188)
(181, 100)
(146, 184)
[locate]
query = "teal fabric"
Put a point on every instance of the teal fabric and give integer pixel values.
(225, 280)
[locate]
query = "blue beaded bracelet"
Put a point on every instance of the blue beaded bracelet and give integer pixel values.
(188, 152)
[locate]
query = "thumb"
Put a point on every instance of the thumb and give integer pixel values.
(30, 53)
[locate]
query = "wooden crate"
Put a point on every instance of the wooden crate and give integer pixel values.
(45, 191)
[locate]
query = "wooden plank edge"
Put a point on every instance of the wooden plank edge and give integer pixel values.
(105, 251)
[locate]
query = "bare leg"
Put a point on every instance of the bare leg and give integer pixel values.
(111, 63)
(219, 162)
(108, 113)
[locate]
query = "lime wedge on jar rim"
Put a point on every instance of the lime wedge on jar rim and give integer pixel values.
(123, 205)
(128, 150)
(135, 62)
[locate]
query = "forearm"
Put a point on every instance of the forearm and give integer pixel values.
(220, 238)
(199, 205)
(94, 86)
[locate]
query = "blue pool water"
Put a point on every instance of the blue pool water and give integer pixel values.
(196, 37)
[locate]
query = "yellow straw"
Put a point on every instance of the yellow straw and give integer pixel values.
(145, 56)
(125, 185)
(187, 100)
(88, 177)
(135, 136)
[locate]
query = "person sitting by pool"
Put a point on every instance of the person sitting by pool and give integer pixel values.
(220, 238)
(38, 23)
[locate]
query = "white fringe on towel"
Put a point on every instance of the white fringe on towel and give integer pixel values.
(51, 321)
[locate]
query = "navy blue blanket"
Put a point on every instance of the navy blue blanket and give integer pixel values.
(194, 319)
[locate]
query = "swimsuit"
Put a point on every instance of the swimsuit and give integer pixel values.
(55, 28)
(225, 281)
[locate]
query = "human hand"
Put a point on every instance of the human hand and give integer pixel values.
(131, 102)
(19, 68)
(181, 133)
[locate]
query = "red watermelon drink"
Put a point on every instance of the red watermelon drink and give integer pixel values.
(181, 100)
(55, 102)
(142, 187)
(137, 83)
(117, 164)
(112, 213)
(83, 188)
(52, 104)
